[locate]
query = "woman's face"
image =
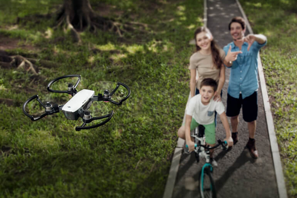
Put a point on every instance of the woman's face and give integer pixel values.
(203, 40)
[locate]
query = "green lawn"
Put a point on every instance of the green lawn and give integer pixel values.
(130, 156)
(277, 19)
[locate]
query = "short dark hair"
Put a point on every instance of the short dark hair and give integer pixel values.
(209, 82)
(239, 20)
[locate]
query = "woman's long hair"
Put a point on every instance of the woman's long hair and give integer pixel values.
(216, 58)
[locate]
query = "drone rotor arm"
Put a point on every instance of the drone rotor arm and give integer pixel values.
(121, 101)
(83, 126)
(59, 78)
(114, 90)
(38, 117)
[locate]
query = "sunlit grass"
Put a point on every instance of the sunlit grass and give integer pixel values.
(129, 156)
(107, 47)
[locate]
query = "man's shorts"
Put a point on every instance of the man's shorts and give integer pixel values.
(210, 131)
(249, 107)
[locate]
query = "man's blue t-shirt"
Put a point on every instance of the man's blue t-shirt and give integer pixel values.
(244, 70)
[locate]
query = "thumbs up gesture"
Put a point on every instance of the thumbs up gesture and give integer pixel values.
(232, 56)
(249, 39)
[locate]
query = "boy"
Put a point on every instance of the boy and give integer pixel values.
(201, 111)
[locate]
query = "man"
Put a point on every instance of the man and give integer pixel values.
(243, 82)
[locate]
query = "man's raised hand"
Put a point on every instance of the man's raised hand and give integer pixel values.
(232, 56)
(249, 39)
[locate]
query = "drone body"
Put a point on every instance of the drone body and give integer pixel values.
(78, 105)
(81, 100)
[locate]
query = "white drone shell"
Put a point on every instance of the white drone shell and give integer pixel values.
(80, 99)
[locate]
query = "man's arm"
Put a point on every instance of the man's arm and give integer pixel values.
(224, 120)
(259, 38)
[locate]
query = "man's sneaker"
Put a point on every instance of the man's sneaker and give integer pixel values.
(235, 137)
(251, 146)
(213, 162)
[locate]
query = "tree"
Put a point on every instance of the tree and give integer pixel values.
(78, 15)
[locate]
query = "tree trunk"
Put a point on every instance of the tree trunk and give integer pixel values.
(78, 13)
(78, 16)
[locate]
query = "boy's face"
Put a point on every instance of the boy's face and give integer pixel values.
(206, 93)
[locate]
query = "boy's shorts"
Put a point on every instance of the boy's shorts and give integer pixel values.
(210, 131)
(249, 107)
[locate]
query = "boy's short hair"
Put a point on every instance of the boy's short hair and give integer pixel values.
(239, 20)
(209, 82)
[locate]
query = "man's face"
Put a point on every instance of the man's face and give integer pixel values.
(236, 31)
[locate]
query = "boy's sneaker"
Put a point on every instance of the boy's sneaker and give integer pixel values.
(213, 162)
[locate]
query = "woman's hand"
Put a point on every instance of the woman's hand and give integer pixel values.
(217, 97)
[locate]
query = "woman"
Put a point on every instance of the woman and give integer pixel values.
(207, 61)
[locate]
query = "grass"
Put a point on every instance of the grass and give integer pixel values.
(130, 156)
(278, 21)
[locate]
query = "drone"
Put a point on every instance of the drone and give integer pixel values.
(78, 105)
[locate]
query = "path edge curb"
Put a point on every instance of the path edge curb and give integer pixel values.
(269, 119)
(180, 142)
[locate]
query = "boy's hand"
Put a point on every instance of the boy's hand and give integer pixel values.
(191, 145)
(229, 141)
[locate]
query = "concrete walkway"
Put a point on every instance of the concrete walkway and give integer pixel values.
(237, 175)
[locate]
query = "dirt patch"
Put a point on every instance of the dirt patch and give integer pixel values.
(7, 43)
(9, 102)
(106, 10)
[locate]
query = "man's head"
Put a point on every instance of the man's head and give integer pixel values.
(208, 88)
(237, 28)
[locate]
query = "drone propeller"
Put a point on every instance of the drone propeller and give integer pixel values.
(37, 108)
(115, 93)
(64, 84)
(87, 118)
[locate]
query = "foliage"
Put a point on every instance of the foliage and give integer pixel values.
(277, 19)
(130, 155)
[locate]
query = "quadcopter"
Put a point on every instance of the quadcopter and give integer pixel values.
(78, 105)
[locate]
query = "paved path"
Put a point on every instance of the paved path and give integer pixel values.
(238, 175)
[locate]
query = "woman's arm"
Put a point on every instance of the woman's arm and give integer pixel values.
(193, 82)
(220, 84)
